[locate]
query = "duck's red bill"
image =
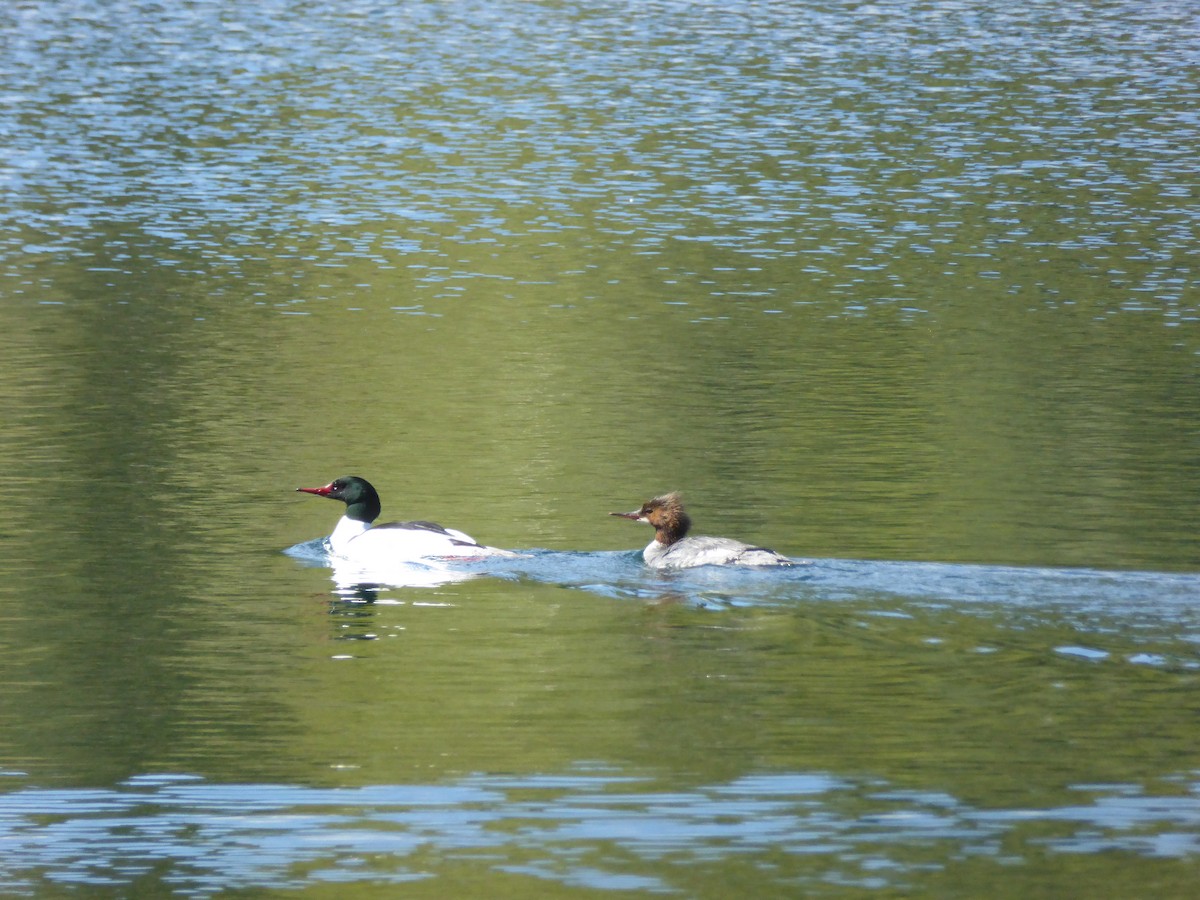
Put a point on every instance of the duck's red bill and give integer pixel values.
(320, 492)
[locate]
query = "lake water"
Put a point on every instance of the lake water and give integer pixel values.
(907, 290)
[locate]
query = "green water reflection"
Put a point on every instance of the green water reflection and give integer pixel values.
(1020, 435)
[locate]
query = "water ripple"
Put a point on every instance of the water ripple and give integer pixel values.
(851, 140)
(605, 831)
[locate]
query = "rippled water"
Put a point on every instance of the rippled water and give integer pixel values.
(906, 290)
(872, 145)
(585, 829)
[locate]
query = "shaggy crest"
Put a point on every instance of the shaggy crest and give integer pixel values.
(670, 520)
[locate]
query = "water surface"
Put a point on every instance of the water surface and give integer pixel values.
(904, 289)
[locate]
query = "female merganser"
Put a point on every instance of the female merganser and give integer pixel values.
(673, 549)
(395, 542)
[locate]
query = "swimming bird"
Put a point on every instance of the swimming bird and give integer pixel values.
(673, 549)
(355, 538)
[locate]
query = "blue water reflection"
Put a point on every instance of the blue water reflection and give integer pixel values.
(1082, 592)
(1138, 618)
(585, 828)
(847, 139)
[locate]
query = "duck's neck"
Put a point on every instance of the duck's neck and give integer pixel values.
(673, 530)
(347, 530)
(365, 510)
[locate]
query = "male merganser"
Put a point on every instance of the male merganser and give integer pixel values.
(673, 549)
(355, 539)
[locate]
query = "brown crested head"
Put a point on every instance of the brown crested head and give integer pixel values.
(666, 513)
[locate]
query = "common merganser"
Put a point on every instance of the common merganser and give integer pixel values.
(355, 539)
(673, 549)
